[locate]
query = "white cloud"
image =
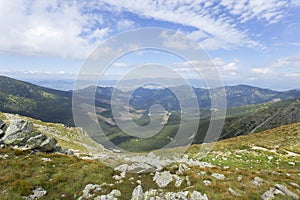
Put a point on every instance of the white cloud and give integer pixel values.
(125, 24)
(232, 66)
(215, 29)
(176, 41)
(74, 28)
(47, 27)
(262, 71)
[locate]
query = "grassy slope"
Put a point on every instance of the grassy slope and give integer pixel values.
(21, 172)
(35, 101)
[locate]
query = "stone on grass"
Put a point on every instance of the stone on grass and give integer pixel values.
(271, 193)
(137, 193)
(286, 191)
(218, 176)
(198, 196)
(257, 181)
(162, 179)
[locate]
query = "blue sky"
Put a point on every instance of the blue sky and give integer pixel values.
(251, 41)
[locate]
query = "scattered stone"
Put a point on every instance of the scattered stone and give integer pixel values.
(291, 163)
(173, 195)
(201, 173)
(257, 181)
(188, 182)
(46, 159)
(182, 168)
(234, 193)
(117, 177)
(89, 190)
(37, 194)
(178, 180)
(270, 194)
(207, 182)
(70, 152)
(122, 168)
(239, 178)
(295, 185)
(113, 195)
(198, 196)
(286, 191)
(218, 176)
(137, 193)
(162, 179)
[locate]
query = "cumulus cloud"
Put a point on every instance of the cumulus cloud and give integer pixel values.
(55, 27)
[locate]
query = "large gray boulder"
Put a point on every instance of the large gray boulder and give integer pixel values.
(36, 141)
(48, 145)
(18, 132)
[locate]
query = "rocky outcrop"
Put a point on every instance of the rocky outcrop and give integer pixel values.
(21, 134)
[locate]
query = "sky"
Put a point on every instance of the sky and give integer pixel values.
(254, 42)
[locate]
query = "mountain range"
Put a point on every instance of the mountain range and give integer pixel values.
(250, 109)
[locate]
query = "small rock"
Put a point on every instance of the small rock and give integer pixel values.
(286, 191)
(178, 180)
(218, 176)
(117, 177)
(162, 179)
(188, 182)
(207, 182)
(291, 163)
(90, 189)
(239, 178)
(182, 168)
(295, 185)
(137, 193)
(46, 159)
(270, 194)
(38, 193)
(257, 181)
(70, 152)
(233, 192)
(198, 196)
